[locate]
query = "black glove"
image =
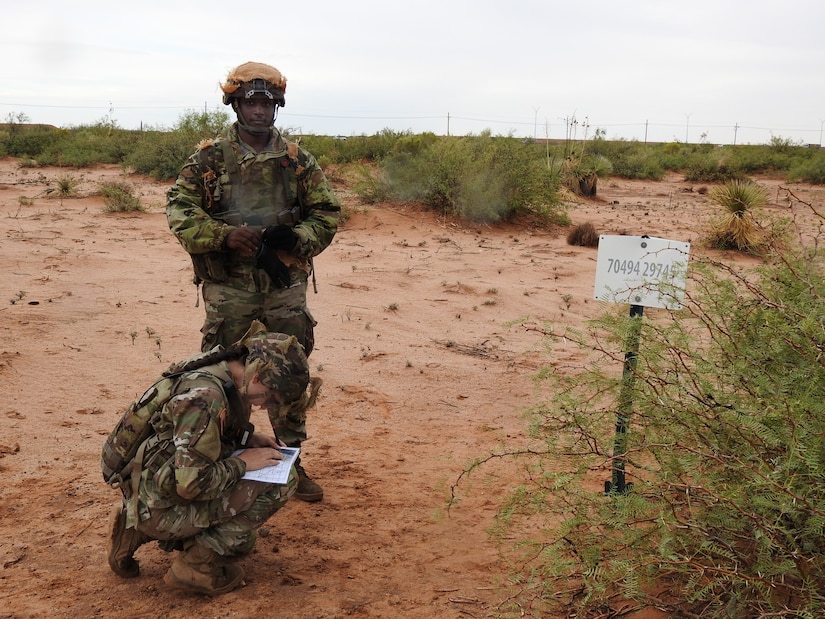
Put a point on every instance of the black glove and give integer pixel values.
(269, 262)
(280, 237)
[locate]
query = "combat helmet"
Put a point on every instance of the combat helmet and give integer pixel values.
(254, 78)
(280, 363)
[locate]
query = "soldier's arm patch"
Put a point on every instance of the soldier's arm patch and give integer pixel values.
(194, 412)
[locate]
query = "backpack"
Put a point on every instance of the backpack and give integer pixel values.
(140, 420)
(135, 426)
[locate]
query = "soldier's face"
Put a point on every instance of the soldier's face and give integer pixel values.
(259, 394)
(258, 111)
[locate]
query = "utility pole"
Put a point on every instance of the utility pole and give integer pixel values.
(448, 124)
(536, 119)
(735, 130)
(687, 127)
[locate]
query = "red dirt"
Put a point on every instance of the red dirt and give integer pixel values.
(425, 366)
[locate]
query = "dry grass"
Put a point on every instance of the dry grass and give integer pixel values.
(583, 235)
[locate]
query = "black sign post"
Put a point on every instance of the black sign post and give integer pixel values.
(625, 405)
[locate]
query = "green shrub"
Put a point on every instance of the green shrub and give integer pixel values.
(20, 139)
(759, 159)
(480, 178)
(778, 144)
(371, 186)
(119, 197)
(88, 145)
(712, 173)
(811, 170)
(324, 148)
(161, 154)
(723, 448)
(639, 166)
(358, 148)
(414, 144)
(630, 159)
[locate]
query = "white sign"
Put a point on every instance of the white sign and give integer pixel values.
(641, 270)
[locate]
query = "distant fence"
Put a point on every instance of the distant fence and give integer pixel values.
(691, 131)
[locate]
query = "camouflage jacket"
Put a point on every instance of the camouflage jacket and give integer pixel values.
(189, 458)
(224, 184)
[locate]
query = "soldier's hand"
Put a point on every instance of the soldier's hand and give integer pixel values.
(280, 237)
(244, 240)
(259, 457)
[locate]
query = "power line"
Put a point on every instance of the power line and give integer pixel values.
(369, 117)
(735, 127)
(101, 107)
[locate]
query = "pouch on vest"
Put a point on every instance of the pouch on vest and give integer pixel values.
(210, 267)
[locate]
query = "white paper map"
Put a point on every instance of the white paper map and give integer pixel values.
(277, 474)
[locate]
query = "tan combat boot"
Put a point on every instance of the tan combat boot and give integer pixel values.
(202, 570)
(307, 490)
(123, 543)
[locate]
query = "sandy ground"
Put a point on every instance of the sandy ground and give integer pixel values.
(425, 361)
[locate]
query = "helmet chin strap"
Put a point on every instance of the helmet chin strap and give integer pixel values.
(253, 130)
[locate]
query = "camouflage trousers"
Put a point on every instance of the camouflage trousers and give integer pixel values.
(227, 525)
(229, 313)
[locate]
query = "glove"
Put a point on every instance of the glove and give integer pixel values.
(269, 262)
(280, 237)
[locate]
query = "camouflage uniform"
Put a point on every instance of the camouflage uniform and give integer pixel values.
(189, 484)
(171, 455)
(225, 184)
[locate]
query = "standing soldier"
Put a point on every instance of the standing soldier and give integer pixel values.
(252, 209)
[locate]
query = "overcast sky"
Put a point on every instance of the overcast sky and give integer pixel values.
(720, 71)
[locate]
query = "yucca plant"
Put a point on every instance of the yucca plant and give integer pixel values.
(738, 228)
(67, 186)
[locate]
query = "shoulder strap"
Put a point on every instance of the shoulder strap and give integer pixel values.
(209, 175)
(229, 159)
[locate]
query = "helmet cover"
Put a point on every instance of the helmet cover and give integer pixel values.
(254, 78)
(280, 363)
